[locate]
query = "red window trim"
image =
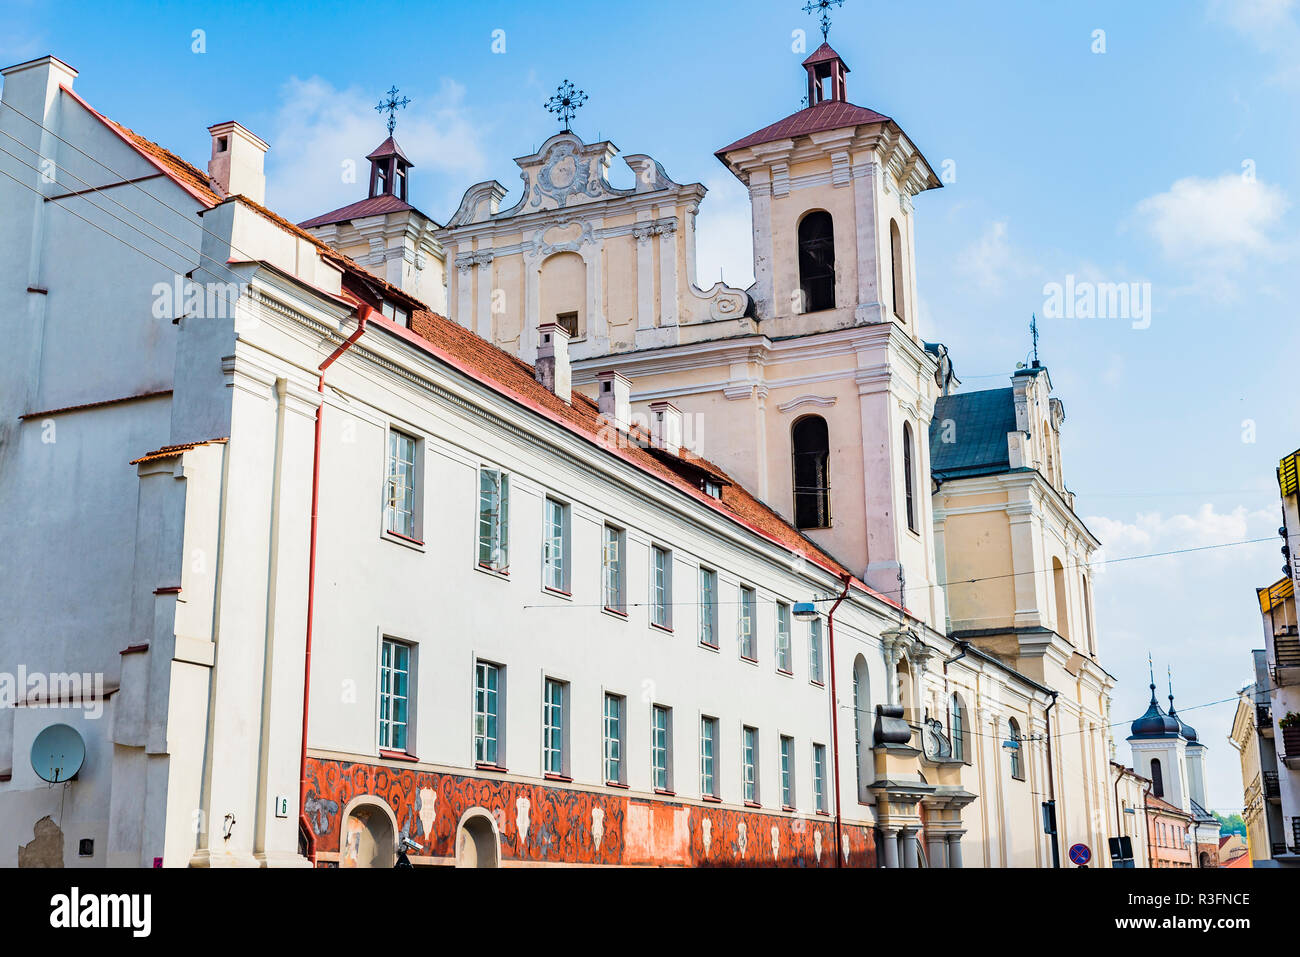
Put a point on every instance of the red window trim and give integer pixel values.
(557, 591)
(705, 644)
(168, 590)
(712, 799)
(484, 766)
(500, 572)
(783, 672)
(752, 661)
(405, 538)
(397, 755)
(664, 628)
(788, 807)
(819, 684)
(823, 813)
(616, 611)
(616, 784)
(752, 804)
(665, 792)
(558, 777)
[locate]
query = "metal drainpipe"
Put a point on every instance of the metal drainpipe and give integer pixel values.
(363, 315)
(1051, 785)
(1146, 819)
(835, 722)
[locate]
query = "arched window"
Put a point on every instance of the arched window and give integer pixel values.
(1017, 763)
(1157, 779)
(896, 258)
(957, 728)
(862, 723)
(817, 261)
(908, 472)
(1062, 608)
(812, 487)
(1087, 616)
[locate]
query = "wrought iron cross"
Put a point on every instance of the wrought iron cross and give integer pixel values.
(1033, 331)
(825, 7)
(565, 103)
(391, 106)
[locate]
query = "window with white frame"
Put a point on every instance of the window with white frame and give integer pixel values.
(394, 694)
(554, 726)
(661, 747)
(708, 756)
(745, 624)
(400, 505)
(815, 651)
(783, 657)
(661, 587)
(489, 681)
(708, 607)
(787, 771)
(819, 776)
(615, 708)
(749, 763)
(614, 570)
(555, 554)
(494, 520)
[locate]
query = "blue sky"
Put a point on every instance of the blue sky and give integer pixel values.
(1170, 159)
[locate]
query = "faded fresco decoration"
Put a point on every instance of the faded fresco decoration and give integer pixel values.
(562, 825)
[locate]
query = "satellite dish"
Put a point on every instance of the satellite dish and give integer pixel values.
(58, 753)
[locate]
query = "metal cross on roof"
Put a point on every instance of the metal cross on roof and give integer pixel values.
(565, 103)
(391, 106)
(825, 7)
(1033, 331)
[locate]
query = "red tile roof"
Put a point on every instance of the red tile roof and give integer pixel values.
(822, 54)
(827, 115)
(389, 147)
(173, 451)
(374, 206)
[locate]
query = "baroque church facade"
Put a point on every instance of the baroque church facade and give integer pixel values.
(504, 542)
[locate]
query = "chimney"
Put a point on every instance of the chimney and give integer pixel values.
(666, 426)
(614, 397)
(552, 368)
(236, 164)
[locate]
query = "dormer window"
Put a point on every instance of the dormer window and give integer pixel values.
(713, 488)
(396, 313)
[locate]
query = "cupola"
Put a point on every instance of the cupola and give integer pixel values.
(826, 72)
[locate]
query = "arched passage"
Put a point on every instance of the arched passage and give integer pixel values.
(478, 842)
(369, 834)
(862, 732)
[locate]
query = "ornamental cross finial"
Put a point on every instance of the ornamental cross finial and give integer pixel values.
(824, 6)
(391, 106)
(1033, 331)
(565, 103)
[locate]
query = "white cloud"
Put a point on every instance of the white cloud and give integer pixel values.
(991, 261)
(1215, 228)
(724, 239)
(1271, 25)
(1155, 532)
(318, 128)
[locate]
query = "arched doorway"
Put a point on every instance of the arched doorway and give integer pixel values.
(369, 834)
(478, 843)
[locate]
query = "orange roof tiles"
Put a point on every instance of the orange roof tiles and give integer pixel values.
(174, 451)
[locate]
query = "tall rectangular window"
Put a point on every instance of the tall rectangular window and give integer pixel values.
(708, 607)
(399, 497)
(708, 757)
(661, 587)
(394, 694)
(787, 771)
(494, 520)
(661, 747)
(815, 651)
(555, 557)
(487, 713)
(748, 641)
(819, 776)
(614, 570)
(553, 726)
(615, 705)
(783, 638)
(749, 763)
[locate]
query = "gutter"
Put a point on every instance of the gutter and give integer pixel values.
(363, 316)
(835, 721)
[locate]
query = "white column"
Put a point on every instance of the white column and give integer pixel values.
(484, 262)
(645, 267)
(760, 204)
(865, 183)
(667, 272)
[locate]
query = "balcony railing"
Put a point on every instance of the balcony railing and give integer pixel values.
(1286, 650)
(1272, 789)
(1295, 835)
(1263, 717)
